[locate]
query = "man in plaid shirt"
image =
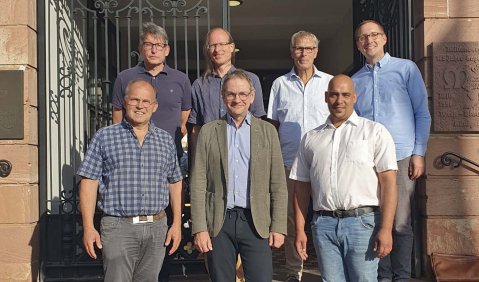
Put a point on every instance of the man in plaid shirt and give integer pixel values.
(133, 167)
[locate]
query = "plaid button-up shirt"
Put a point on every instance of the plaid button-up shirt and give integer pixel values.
(133, 179)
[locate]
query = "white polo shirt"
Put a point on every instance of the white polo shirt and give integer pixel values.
(298, 108)
(341, 163)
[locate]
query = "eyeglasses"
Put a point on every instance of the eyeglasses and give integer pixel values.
(212, 47)
(137, 101)
(306, 50)
(372, 36)
(230, 96)
(150, 45)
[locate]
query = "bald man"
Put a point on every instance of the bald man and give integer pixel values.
(348, 166)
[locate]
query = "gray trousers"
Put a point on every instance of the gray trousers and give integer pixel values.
(397, 265)
(132, 252)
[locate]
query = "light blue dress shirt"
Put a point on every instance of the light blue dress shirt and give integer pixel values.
(298, 108)
(238, 163)
(393, 93)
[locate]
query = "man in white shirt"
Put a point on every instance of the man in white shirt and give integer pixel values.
(296, 105)
(348, 166)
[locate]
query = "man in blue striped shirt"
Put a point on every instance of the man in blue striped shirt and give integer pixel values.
(133, 167)
(391, 91)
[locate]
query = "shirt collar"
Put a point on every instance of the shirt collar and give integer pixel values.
(353, 120)
(125, 124)
(230, 121)
(292, 74)
(142, 69)
(384, 60)
(214, 74)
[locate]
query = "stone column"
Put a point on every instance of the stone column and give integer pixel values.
(450, 195)
(19, 206)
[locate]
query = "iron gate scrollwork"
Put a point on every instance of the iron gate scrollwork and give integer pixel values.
(86, 44)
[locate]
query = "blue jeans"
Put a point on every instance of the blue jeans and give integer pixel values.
(345, 247)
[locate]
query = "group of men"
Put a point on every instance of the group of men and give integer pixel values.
(352, 146)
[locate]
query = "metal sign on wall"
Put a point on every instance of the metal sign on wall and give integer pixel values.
(456, 86)
(11, 104)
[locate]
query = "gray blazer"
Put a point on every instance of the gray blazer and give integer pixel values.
(209, 179)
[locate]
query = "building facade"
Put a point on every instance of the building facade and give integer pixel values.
(46, 58)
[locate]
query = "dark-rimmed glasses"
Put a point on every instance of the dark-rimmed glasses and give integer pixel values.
(150, 45)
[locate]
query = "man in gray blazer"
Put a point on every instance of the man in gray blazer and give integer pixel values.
(238, 188)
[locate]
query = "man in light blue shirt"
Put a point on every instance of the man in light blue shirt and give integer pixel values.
(391, 91)
(296, 106)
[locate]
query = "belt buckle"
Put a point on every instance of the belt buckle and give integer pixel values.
(137, 219)
(337, 213)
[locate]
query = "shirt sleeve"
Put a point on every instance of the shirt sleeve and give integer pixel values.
(92, 165)
(257, 108)
(195, 115)
(301, 164)
(174, 171)
(418, 95)
(273, 101)
(118, 94)
(384, 150)
(186, 99)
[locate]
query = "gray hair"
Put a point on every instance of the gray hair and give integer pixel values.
(150, 28)
(239, 74)
(303, 34)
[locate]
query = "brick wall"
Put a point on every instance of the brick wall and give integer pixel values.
(19, 234)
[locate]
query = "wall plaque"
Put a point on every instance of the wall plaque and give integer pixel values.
(11, 104)
(456, 86)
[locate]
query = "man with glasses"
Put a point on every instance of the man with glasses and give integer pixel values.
(296, 105)
(173, 87)
(238, 188)
(133, 167)
(207, 105)
(391, 91)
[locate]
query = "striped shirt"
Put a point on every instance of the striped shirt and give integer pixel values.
(133, 179)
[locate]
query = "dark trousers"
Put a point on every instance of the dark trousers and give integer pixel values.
(238, 235)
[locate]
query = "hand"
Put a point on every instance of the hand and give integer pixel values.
(183, 130)
(90, 238)
(276, 240)
(416, 167)
(384, 243)
(300, 244)
(203, 242)
(174, 234)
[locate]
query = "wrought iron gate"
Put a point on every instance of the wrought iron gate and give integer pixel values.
(83, 45)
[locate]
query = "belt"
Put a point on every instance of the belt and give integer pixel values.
(348, 213)
(146, 218)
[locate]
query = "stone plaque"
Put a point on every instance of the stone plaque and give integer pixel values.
(11, 104)
(456, 86)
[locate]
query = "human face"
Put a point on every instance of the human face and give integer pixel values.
(340, 98)
(140, 104)
(237, 107)
(372, 49)
(303, 60)
(154, 55)
(220, 49)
